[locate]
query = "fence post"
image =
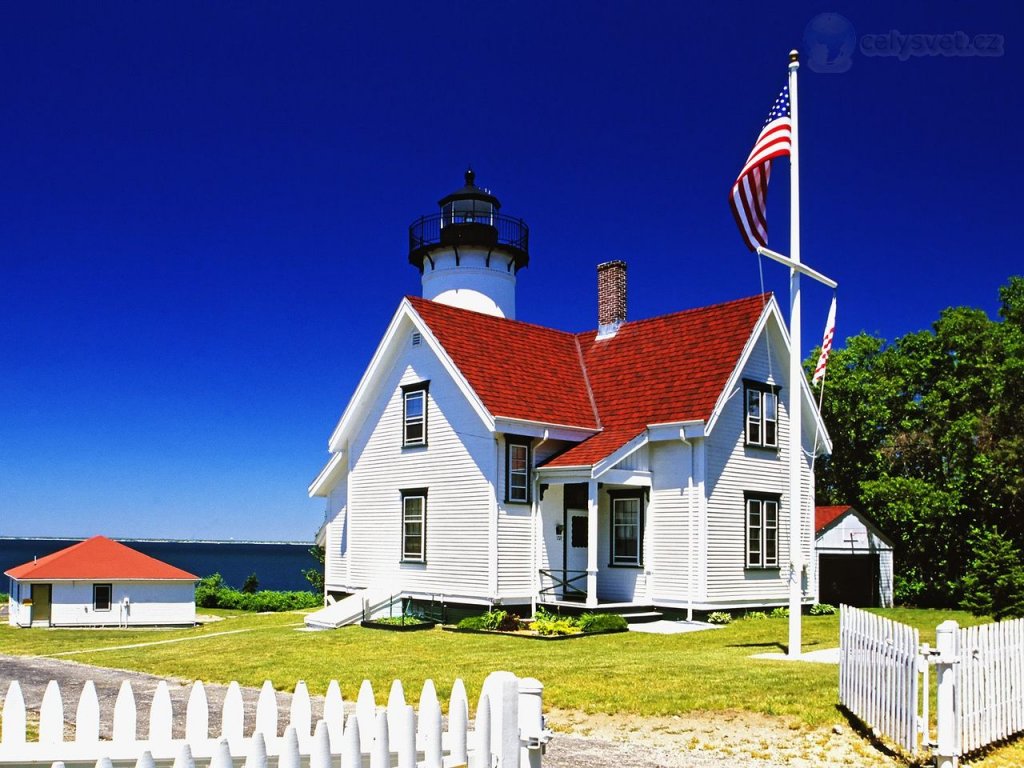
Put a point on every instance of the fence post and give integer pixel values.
(532, 733)
(946, 641)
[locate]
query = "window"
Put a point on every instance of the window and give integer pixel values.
(414, 525)
(517, 470)
(627, 528)
(414, 413)
(762, 531)
(101, 595)
(762, 414)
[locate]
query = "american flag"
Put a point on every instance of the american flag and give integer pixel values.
(749, 196)
(826, 343)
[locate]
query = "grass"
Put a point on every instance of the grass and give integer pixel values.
(631, 673)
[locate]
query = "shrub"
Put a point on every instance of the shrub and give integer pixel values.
(781, 612)
(756, 615)
(545, 623)
(212, 592)
(473, 622)
(994, 582)
(719, 617)
(251, 584)
(822, 609)
(602, 622)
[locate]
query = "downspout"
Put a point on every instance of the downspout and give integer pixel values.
(692, 525)
(537, 527)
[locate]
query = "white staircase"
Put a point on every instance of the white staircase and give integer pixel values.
(352, 609)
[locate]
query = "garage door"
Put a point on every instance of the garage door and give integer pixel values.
(849, 579)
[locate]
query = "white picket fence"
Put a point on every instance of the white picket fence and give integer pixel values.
(509, 729)
(878, 674)
(990, 683)
(884, 679)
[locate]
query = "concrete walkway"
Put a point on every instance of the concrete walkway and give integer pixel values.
(665, 627)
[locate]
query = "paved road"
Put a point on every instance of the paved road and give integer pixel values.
(33, 674)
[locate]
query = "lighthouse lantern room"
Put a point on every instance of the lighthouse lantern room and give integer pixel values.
(468, 253)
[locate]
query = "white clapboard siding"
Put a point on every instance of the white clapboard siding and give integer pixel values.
(732, 469)
(878, 674)
(671, 524)
(508, 731)
(990, 683)
(456, 467)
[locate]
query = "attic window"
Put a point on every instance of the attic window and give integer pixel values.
(416, 338)
(762, 414)
(414, 413)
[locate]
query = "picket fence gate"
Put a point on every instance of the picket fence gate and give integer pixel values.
(885, 681)
(509, 729)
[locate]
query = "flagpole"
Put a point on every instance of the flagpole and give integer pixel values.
(795, 373)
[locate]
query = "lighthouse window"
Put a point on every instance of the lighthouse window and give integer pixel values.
(414, 413)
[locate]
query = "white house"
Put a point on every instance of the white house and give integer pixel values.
(100, 583)
(485, 460)
(854, 558)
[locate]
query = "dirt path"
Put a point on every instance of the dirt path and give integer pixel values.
(581, 741)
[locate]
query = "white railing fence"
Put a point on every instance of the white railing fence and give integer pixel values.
(884, 681)
(508, 730)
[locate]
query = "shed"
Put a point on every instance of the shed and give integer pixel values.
(100, 583)
(853, 558)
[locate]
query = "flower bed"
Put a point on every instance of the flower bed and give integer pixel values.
(399, 623)
(544, 626)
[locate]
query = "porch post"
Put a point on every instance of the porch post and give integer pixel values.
(592, 543)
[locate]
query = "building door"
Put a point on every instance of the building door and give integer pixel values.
(576, 555)
(41, 594)
(849, 579)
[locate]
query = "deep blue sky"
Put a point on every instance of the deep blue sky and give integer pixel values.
(204, 210)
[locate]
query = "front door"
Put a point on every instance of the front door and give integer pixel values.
(575, 555)
(41, 605)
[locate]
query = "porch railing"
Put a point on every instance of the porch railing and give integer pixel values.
(562, 584)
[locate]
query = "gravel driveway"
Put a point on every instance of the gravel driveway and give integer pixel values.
(33, 674)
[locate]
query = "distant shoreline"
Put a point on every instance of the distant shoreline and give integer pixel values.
(154, 541)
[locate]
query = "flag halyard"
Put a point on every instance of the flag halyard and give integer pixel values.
(748, 198)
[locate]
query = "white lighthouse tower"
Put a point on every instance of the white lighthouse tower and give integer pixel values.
(469, 254)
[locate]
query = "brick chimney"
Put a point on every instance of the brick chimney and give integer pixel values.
(611, 297)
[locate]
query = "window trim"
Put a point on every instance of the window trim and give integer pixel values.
(763, 563)
(623, 495)
(421, 388)
(414, 493)
(762, 389)
(110, 597)
(517, 441)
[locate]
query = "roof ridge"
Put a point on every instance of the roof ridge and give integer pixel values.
(762, 297)
(586, 380)
(445, 307)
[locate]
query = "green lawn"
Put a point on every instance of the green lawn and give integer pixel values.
(630, 672)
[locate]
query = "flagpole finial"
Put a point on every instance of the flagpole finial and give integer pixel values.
(794, 56)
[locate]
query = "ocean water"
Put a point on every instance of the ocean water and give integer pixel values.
(277, 565)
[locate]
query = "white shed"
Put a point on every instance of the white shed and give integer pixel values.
(100, 583)
(853, 558)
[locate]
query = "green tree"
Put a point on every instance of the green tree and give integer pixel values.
(251, 584)
(994, 582)
(928, 437)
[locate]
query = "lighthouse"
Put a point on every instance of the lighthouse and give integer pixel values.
(469, 254)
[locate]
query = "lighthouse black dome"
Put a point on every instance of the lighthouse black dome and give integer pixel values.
(469, 217)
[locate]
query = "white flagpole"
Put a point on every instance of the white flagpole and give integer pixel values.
(795, 373)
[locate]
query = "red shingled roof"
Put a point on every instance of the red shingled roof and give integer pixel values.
(99, 558)
(519, 370)
(668, 368)
(825, 515)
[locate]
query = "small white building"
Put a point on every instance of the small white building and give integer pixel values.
(100, 583)
(854, 558)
